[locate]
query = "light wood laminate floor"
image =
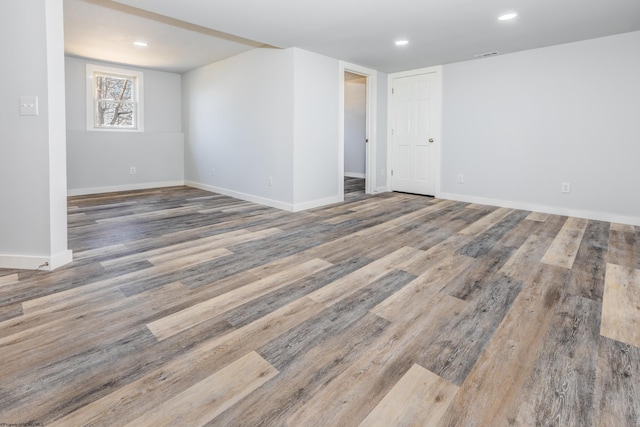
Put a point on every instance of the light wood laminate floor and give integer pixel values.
(187, 308)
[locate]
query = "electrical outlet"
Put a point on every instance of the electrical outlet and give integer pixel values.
(270, 181)
(28, 105)
(460, 179)
(132, 170)
(566, 187)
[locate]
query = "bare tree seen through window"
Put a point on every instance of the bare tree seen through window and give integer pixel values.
(115, 101)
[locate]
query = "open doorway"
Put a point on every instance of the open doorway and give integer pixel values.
(357, 148)
(355, 134)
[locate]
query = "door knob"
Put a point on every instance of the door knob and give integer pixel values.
(430, 139)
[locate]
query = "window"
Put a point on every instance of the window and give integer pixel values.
(114, 99)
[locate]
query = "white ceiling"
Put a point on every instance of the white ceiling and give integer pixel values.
(104, 30)
(358, 31)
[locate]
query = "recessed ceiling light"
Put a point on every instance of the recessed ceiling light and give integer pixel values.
(507, 16)
(141, 44)
(402, 42)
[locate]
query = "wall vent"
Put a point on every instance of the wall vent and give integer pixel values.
(486, 55)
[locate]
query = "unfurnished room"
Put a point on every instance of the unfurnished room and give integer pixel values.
(409, 213)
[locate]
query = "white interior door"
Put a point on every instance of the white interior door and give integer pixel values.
(415, 115)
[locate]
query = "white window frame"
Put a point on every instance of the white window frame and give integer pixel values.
(137, 93)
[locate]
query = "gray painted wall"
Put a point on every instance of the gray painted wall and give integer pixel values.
(238, 116)
(100, 160)
(517, 126)
(263, 126)
(315, 124)
(33, 227)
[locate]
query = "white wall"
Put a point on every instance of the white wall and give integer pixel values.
(238, 120)
(381, 133)
(517, 126)
(316, 139)
(100, 160)
(267, 115)
(33, 227)
(57, 134)
(355, 112)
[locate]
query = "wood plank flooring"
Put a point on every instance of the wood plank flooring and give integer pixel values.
(353, 188)
(188, 308)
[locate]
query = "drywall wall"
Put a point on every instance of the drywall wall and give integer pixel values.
(517, 126)
(263, 126)
(315, 130)
(100, 161)
(355, 115)
(381, 132)
(33, 227)
(57, 133)
(238, 123)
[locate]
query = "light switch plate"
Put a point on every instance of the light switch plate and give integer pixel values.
(28, 105)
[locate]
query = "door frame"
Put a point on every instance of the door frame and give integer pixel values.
(437, 120)
(371, 128)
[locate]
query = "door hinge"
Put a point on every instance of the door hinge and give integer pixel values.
(391, 172)
(392, 131)
(393, 91)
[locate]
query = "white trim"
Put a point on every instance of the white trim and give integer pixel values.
(265, 201)
(317, 203)
(341, 130)
(25, 262)
(384, 189)
(371, 125)
(22, 262)
(126, 187)
(60, 259)
(437, 70)
(242, 196)
(355, 175)
(416, 72)
(90, 104)
(554, 210)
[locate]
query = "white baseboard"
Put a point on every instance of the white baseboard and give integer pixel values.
(22, 262)
(355, 175)
(597, 216)
(384, 189)
(242, 196)
(60, 259)
(26, 262)
(289, 207)
(317, 203)
(127, 187)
